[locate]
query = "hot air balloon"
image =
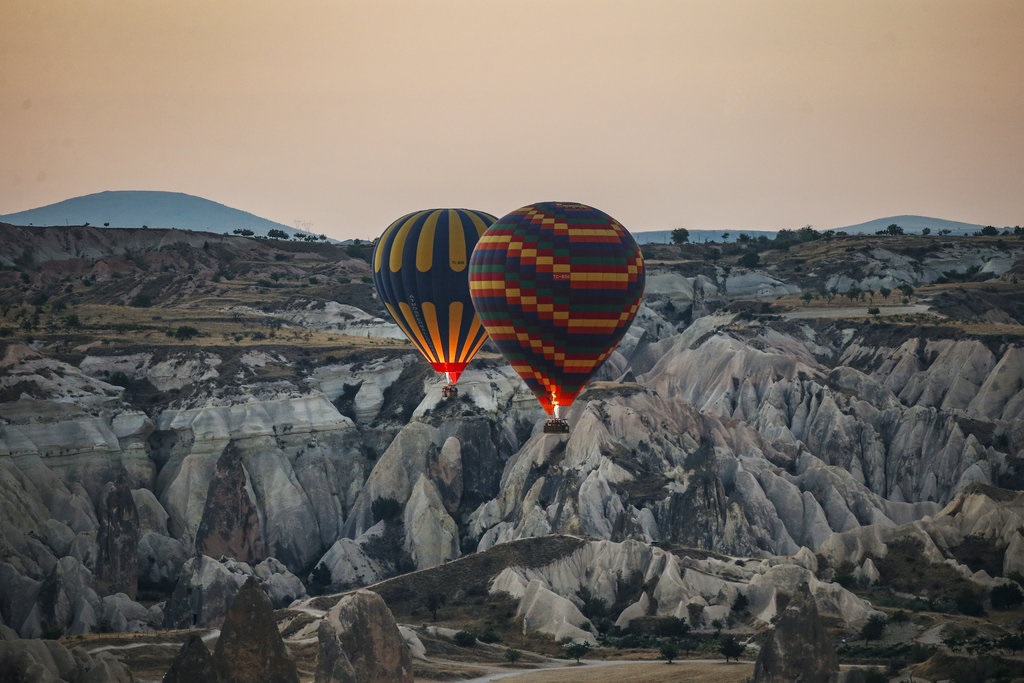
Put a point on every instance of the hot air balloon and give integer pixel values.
(556, 285)
(419, 269)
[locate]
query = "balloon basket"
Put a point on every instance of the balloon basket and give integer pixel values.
(449, 391)
(556, 425)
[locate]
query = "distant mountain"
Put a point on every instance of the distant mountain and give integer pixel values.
(137, 208)
(913, 224)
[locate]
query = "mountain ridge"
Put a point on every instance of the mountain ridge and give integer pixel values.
(150, 208)
(163, 209)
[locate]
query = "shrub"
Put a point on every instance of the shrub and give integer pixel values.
(751, 259)
(874, 629)
(1006, 596)
(386, 509)
(464, 639)
(186, 332)
(672, 627)
(512, 655)
(731, 648)
(577, 650)
(968, 602)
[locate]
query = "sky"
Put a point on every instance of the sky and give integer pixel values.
(340, 116)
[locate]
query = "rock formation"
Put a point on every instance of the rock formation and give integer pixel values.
(250, 647)
(742, 434)
(49, 661)
(117, 540)
(192, 664)
(360, 643)
(230, 525)
(798, 649)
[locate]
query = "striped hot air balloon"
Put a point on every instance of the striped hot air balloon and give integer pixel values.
(556, 285)
(420, 271)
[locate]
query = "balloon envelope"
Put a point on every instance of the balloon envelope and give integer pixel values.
(557, 285)
(420, 272)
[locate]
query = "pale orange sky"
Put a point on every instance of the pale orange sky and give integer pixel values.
(717, 114)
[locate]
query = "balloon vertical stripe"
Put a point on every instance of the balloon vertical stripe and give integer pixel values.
(419, 270)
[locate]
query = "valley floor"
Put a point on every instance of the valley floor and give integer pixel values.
(706, 671)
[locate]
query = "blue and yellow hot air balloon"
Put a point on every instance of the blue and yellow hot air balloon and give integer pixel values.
(420, 270)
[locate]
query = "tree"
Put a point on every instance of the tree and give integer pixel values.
(1006, 596)
(751, 259)
(464, 639)
(873, 310)
(186, 332)
(668, 651)
(885, 292)
(276, 234)
(386, 509)
(512, 655)
(244, 232)
(968, 602)
(725, 236)
(672, 627)
(680, 236)
(806, 296)
(894, 229)
(577, 650)
(989, 231)
(731, 648)
(874, 629)
(434, 602)
(926, 231)
(718, 625)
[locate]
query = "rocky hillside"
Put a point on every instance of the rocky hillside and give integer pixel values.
(216, 407)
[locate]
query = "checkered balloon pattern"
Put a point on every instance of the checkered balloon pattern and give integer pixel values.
(556, 285)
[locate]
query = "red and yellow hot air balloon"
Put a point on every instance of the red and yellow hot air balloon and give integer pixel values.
(420, 272)
(556, 285)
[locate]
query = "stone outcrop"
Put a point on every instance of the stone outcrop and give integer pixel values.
(67, 601)
(360, 643)
(549, 598)
(742, 434)
(117, 540)
(203, 593)
(192, 664)
(49, 661)
(798, 649)
(250, 647)
(206, 587)
(230, 526)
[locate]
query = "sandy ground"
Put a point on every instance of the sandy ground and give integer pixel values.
(628, 672)
(855, 311)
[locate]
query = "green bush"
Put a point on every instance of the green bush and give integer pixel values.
(1006, 596)
(874, 629)
(385, 509)
(464, 639)
(186, 332)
